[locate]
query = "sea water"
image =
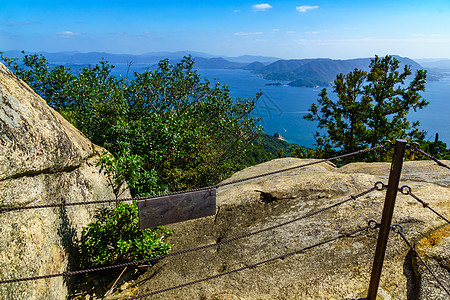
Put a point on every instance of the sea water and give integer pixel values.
(282, 108)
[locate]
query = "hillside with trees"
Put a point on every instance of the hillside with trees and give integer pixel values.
(318, 72)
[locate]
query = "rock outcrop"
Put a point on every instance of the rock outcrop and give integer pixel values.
(277, 135)
(336, 270)
(43, 159)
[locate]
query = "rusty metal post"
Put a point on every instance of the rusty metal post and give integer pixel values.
(388, 210)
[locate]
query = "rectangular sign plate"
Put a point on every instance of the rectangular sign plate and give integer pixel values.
(176, 208)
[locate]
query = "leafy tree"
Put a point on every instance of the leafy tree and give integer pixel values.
(126, 170)
(298, 152)
(182, 132)
(195, 131)
(370, 107)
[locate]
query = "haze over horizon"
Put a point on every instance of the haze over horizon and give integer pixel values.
(338, 29)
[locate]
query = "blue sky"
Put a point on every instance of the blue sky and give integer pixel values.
(286, 29)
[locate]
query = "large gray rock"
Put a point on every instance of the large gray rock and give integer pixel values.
(337, 270)
(43, 159)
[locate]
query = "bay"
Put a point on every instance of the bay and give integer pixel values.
(282, 108)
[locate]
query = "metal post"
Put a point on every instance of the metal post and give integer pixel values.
(388, 210)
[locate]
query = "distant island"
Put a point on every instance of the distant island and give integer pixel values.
(277, 84)
(312, 73)
(322, 71)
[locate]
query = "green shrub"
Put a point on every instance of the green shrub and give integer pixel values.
(114, 237)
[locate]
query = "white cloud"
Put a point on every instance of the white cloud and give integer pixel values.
(290, 31)
(305, 8)
(247, 33)
(312, 32)
(262, 7)
(236, 11)
(67, 34)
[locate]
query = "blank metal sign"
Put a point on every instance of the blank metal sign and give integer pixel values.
(176, 208)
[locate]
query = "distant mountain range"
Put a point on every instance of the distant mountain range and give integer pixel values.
(442, 64)
(148, 58)
(294, 72)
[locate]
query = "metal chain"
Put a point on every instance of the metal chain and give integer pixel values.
(5, 209)
(432, 157)
(250, 266)
(406, 190)
(71, 273)
(399, 229)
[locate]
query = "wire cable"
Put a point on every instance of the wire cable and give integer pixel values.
(406, 190)
(432, 158)
(399, 229)
(71, 273)
(250, 266)
(5, 209)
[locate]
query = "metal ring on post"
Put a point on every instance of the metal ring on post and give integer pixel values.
(405, 190)
(388, 144)
(414, 146)
(374, 224)
(379, 186)
(397, 228)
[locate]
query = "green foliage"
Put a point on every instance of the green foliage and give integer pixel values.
(298, 152)
(280, 153)
(179, 132)
(196, 131)
(370, 107)
(128, 169)
(255, 154)
(115, 238)
(267, 147)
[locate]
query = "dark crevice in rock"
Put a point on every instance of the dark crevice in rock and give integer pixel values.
(156, 270)
(34, 173)
(445, 264)
(222, 268)
(267, 197)
(218, 240)
(37, 173)
(412, 276)
(48, 171)
(67, 233)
